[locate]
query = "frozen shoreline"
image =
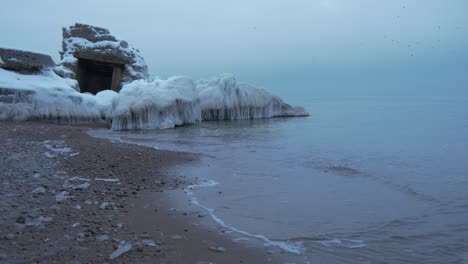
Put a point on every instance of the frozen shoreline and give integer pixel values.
(86, 200)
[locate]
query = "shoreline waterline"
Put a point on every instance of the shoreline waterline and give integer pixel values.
(372, 194)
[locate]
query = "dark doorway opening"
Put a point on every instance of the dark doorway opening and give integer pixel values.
(96, 76)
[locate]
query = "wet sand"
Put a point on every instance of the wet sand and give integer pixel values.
(71, 198)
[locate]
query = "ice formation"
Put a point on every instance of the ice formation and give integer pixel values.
(155, 105)
(222, 98)
(140, 104)
(46, 96)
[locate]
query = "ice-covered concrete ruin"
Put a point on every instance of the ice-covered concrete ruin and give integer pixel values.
(98, 60)
(103, 79)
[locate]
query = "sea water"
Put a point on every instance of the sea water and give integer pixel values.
(362, 180)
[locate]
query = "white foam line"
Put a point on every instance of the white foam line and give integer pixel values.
(294, 249)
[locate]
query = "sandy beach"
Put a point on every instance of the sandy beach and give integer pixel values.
(71, 198)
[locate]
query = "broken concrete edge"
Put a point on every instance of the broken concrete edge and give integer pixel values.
(21, 60)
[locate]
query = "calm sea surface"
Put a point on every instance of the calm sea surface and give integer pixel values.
(362, 180)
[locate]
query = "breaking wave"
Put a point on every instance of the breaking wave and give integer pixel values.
(294, 248)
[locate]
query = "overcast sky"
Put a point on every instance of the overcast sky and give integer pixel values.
(357, 47)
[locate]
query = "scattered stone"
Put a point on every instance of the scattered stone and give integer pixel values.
(19, 227)
(49, 155)
(39, 190)
(55, 208)
(9, 236)
(21, 220)
(104, 205)
(107, 179)
(217, 249)
(80, 236)
(75, 225)
(148, 242)
(62, 196)
(76, 186)
(79, 179)
(37, 221)
(102, 238)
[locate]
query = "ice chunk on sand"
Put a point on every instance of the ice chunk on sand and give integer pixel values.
(123, 248)
(148, 242)
(104, 205)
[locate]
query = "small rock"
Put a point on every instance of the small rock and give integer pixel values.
(49, 155)
(217, 249)
(9, 236)
(63, 196)
(21, 220)
(102, 238)
(148, 242)
(39, 190)
(19, 227)
(80, 236)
